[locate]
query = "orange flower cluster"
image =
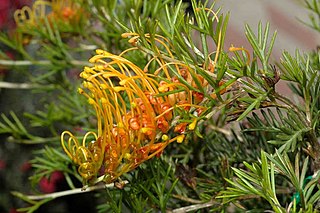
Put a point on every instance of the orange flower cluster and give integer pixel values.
(66, 13)
(58, 9)
(133, 119)
(185, 88)
(138, 112)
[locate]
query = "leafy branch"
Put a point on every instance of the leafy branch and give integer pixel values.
(38, 200)
(260, 180)
(314, 7)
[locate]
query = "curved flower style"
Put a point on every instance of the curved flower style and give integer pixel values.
(138, 113)
(27, 16)
(132, 119)
(66, 13)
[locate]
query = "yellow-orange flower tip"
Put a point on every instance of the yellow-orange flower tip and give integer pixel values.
(133, 105)
(233, 49)
(84, 75)
(165, 137)
(103, 86)
(107, 75)
(99, 67)
(123, 82)
(100, 51)
(87, 84)
(163, 88)
(95, 58)
(180, 138)
(145, 130)
(80, 91)
(120, 125)
(103, 100)
(133, 40)
(91, 101)
(118, 89)
(87, 69)
(192, 126)
(127, 156)
(126, 35)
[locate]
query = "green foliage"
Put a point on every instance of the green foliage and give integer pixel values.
(144, 193)
(314, 7)
(288, 132)
(259, 180)
(228, 158)
(18, 132)
(49, 160)
(262, 49)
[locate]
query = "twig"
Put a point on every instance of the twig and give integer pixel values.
(193, 207)
(71, 192)
(221, 130)
(22, 63)
(9, 85)
(32, 140)
(187, 199)
(42, 62)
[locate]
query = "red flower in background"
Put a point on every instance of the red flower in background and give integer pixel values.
(25, 167)
(49, 185)
(7, 23)
(7, 8)
(4, 12)
(3, 164)
(13, 210)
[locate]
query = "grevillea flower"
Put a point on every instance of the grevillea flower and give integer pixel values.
(65, 13)
(183, 84)
(132, 119)
(139, 112)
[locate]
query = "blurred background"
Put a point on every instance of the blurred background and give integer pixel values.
(284, 16)
(287, 17)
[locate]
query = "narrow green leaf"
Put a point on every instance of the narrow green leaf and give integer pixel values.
(253, 105)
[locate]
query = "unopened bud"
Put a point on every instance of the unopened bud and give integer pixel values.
(180, 138)
(192, 126)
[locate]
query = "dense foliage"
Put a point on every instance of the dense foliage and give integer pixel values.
(135, 109)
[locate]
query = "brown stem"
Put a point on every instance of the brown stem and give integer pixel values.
(187, 199)
(193, 207)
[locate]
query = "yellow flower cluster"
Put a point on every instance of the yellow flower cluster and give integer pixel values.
(65, 13)
(132, 118)
(138, 113)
